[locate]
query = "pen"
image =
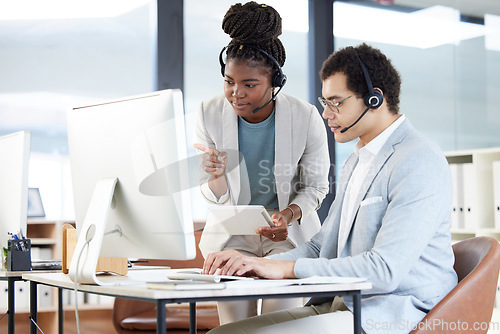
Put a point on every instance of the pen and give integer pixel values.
(22, 240)
(15, 244)
(19, 244)
(268, 219)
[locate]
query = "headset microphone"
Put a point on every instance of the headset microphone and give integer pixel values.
(372, 100)
(271, 100)
(353, 124)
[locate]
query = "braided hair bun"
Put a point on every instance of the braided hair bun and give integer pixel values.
(257, 25)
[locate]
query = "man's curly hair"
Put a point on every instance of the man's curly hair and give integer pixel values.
(382, 73)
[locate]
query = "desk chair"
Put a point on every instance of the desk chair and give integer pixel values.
(139, 317)
(477, 262)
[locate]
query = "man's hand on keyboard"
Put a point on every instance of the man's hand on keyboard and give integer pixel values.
(233, 263)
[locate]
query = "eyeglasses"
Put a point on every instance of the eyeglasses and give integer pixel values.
(332, 105)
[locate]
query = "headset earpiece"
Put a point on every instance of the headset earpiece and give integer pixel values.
(278, 80)
(221, 61)
(374, 98)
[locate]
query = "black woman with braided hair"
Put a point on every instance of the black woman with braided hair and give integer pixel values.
(260, 147)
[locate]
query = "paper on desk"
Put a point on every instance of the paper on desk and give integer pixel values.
(330, 280)
(133, 277)
(257, 283)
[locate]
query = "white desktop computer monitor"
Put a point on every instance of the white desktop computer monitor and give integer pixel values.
(14, 166)
(130, 181)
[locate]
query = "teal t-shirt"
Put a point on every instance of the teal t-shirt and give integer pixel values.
(256, 143)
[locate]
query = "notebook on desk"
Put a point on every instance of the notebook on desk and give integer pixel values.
(184, 285)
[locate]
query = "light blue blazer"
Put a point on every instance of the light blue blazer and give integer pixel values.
(400, 236)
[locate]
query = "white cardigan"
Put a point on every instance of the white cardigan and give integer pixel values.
(301, 162)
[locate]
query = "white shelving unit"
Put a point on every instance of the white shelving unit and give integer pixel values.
(474, 202)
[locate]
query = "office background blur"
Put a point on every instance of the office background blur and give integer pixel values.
(58, 54)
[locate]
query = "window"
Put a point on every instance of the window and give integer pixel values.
(58, 54)
(449, 64)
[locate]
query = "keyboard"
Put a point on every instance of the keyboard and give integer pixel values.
(196, 275)
(46, 264)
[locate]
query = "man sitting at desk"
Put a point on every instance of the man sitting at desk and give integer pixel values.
(389, 222)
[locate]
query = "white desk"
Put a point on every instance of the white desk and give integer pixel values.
(140, 292)
(11, 277)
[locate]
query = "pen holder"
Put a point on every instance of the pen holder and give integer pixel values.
(19, 255)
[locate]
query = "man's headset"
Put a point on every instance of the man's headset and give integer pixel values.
(373, 99)
(279, 78)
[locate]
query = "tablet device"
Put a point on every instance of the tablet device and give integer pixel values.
(239, 219)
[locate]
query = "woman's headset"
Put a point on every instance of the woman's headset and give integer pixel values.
(279, 78)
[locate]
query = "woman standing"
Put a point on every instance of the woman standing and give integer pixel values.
(260, 148)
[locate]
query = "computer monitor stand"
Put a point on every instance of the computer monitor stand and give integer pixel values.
(85, 260)
(115, 265)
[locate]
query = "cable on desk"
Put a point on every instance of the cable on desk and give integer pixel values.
(88, 237)
(76, 288)
(3, 316)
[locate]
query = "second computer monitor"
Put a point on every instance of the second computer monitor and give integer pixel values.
(14, 167)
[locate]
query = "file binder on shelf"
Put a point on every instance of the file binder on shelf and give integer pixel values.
(496, 193)
(470, 195)
(457, 210)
